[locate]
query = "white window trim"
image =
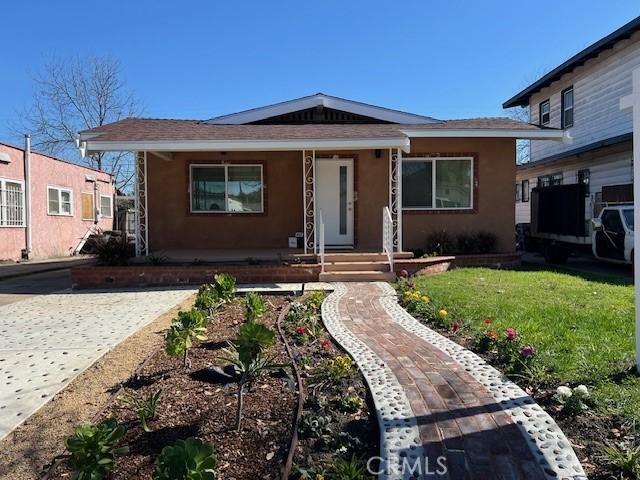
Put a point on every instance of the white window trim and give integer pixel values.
(433, 161)
(548, 103)
(565, 108)
(226, 193)
(60, 190)
(93, 207)
(110, 203)
(3, 189)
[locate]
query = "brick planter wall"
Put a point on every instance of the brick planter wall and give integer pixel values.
(423, 266)
(434, 265)
(149, 275)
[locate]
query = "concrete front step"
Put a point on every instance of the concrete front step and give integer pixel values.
(378, 266)
(357, 276)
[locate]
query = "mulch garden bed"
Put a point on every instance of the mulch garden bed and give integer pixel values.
(200, 402)
(338, 420)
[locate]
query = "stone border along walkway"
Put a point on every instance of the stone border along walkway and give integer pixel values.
(48, 340)
(434, 398)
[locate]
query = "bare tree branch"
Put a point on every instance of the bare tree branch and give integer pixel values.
(75, 94)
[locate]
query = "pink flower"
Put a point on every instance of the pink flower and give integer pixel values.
(324, 344)
(301, 330)
(511, 333)
(527, 351)
(488, 321)
(404, 273)
(410, 284)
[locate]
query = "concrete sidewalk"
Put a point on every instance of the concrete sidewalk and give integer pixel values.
(47, 340)
(28, 267)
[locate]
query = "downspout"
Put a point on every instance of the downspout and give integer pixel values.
(27, 196)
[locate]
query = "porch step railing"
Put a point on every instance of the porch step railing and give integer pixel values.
(387, 235)
(321, 240)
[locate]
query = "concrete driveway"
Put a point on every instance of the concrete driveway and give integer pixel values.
(48, 339)
(19, 288)
(584, 265)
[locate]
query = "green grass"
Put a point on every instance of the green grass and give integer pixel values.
(582, 328)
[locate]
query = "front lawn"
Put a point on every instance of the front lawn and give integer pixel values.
(582, 329)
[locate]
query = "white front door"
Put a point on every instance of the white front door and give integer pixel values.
(334, 196)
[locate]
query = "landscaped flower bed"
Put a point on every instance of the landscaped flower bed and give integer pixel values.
(337, 430)
(180, 408)
(509, 327)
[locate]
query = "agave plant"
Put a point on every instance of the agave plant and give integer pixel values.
(247, 354)
(189, 459)
(93, 449)
(255, 306)
(145, 409)
(180, 335)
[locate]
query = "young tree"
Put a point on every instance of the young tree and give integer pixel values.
(523, 147)
(74, 94)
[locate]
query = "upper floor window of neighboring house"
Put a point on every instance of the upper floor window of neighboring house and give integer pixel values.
(106, 206)
(525, 190)
(437, 183)
(567, 107)
(545, 112)
(11, 203)
(226, 188)
(59, 201)
(518, 192)
(550, 180)
(583, 177)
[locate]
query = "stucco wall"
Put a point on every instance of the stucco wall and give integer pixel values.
(172, 226)
(52, 235)
(495, 208)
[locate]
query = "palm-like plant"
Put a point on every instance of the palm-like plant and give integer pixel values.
(247, 354)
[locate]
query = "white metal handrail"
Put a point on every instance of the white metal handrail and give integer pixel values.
(321, 240)
(387, 235)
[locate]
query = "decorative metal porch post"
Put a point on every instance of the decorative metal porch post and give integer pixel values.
(142, 237)
(308, 198)
(395, 195)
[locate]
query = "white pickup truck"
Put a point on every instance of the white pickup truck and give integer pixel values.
(612, 238)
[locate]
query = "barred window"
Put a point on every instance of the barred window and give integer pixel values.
(11, 203)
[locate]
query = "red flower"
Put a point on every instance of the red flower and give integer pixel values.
(301, 330)
(455, 326)
(511, 333)
(324, 344)
(488, 321)
(410, 284)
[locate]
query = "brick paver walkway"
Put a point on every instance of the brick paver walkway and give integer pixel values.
(457, 417)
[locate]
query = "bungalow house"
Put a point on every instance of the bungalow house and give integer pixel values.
(337, 173)
(48, 205)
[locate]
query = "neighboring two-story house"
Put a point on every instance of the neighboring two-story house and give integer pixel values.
(582, 96)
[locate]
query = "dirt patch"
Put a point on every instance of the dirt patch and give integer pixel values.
(41, 437)
(199, 401)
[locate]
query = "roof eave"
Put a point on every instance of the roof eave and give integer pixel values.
(96, 145)
(540, 134)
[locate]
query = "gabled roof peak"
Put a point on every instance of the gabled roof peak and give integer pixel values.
(321, 100)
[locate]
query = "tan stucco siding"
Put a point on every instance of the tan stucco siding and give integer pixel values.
(495, 206)
(173, 226)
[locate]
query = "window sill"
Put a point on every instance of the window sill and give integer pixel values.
(70, 215)
(437, 211)
(13, 226)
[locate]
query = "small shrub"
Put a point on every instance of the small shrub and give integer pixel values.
(624, 456)
(145, 409)
(344, 442)
(93, 449)
(313, 426)
(302, 361)
(157, 260)
(315, 300)
(225, 286)
(331, 372)
(343, 468)
(207, 299)
(112, 250)
(348, 404)
(255, 306)
(486, 242)
(574, 400)
(487, 338)
(186, 327)
(439, 243)
(189, 459)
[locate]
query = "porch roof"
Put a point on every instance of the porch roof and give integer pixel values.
(189, 135)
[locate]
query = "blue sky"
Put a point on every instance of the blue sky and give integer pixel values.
(198, 59)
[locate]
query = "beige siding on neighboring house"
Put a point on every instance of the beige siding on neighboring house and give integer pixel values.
(598, 86)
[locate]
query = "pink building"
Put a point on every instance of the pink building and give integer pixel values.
(47, 205)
